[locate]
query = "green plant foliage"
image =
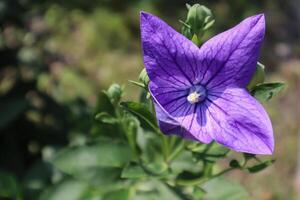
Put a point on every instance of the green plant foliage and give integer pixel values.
(10, 109)
(9, 186)
(266, 91)
(227, 190)
(99, 154)
(142, 112)
(260, 166)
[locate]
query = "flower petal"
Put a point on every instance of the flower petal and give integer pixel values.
(169, 57)
(237, 120)
(187, 115)
(181, 118)
(170, 126)
(231, 56)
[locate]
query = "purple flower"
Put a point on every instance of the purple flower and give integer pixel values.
(200, 93)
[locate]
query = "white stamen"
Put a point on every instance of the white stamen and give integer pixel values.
(193, 97)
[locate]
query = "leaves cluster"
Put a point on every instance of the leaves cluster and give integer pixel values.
(129, 158)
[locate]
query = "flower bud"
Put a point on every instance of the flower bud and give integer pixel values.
(258, 77)
(115, 93)
(199, 18)
(144, 78)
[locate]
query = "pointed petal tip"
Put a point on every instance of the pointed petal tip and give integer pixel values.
(259, 18)
(144, 15)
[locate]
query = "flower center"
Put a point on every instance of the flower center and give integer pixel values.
(197, 93)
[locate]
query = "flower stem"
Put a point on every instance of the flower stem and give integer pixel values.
(201, 180)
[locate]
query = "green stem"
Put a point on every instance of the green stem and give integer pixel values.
(201, 180)
(175, 152)
(165, 145)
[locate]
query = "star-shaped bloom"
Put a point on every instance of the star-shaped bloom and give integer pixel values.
(200, 93)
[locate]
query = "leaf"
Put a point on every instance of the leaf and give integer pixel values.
(142, 113)
(37, 178)
(220, 188)
(133, 171)
(141, 85)
(122, 194)
(259, 167)
(66, 190)
(266, 91)
(165, 192)
(99, 176)
(101, 154)
(9, 186)
(185, 162)
(106, 118)
(10, 109)
(153, 190)
(151, 153)
(104, 104)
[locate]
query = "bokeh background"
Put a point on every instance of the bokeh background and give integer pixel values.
(56, 56)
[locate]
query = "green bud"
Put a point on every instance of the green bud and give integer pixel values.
(144, 78)
(199, 19)
(234, 164)
(258, 77)
(195, 40)
(114, 93)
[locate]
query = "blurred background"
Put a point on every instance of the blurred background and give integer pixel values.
(56, 56)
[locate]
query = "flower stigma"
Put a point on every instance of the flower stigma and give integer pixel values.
(197, 94)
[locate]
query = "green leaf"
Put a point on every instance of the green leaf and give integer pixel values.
(165, 192)
(133, 171)
(142, 112)
(36, 179)
(185, 162)
(106, 118)
(261, 166)
(104, 104)
(10, 109)
(266, 91)
(153, 190)
(9, 186)
(99, 176)
(220, 188)
(66, 190)
(122, 194)
(101, 154)
(138, 84)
